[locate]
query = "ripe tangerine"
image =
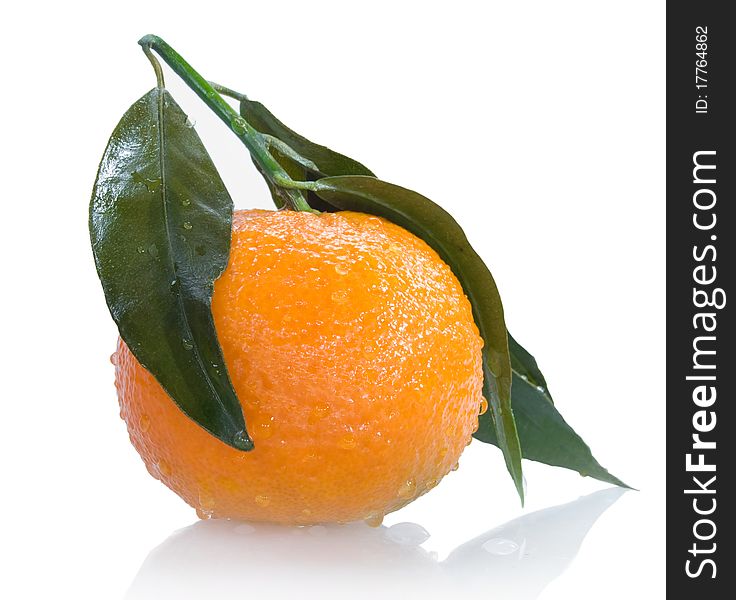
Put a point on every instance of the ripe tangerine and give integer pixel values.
(354, 354)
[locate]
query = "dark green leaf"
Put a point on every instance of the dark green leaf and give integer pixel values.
(545, 436)
(525, 366)
(328, 161)
(437, 228)
(160, 223)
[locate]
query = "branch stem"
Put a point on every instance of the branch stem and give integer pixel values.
(254, 141)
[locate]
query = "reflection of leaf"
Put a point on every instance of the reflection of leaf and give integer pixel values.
(520, 558)
(160, 223)
(439, 230)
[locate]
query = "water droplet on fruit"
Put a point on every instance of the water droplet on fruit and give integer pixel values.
(320, 411)
(374, 520)
(187, 344)
(408, 489)
(163, 468)
(206, 499)
(483, 406)
(341, 269)
(189, 123)
(540, 388)
(348, 441)
(186, 202)
(262, 500)
(455, 467)
(340, 296)
(432, 483)
(144, 423)
(114, 358)
(141, 250)
(500, 546)
(203, 514)
(187, 225)
(264, 427)
(407, 534)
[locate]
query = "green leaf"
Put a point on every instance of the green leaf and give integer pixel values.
(437, 228)
(525, 366)
(160, 223)
(328, 162)
(545, 436)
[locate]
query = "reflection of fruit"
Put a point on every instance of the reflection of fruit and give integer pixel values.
(355, 356)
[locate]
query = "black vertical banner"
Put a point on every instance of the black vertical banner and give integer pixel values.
(701, 297)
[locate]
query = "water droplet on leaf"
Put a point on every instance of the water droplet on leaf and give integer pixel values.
(239, 126)
(242, 441)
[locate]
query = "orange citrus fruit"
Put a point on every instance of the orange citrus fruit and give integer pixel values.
(354, 354)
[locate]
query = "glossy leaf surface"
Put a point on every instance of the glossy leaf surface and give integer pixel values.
(544, 435)
(438, 229)
(160, 223)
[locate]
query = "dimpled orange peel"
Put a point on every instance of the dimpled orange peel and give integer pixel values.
(354, 353)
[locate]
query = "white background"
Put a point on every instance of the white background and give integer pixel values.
(539, 125)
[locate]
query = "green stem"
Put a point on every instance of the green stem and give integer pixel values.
(253, 140)
(156, 68)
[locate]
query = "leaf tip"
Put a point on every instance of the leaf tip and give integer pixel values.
(520, 484)
(242, 441)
